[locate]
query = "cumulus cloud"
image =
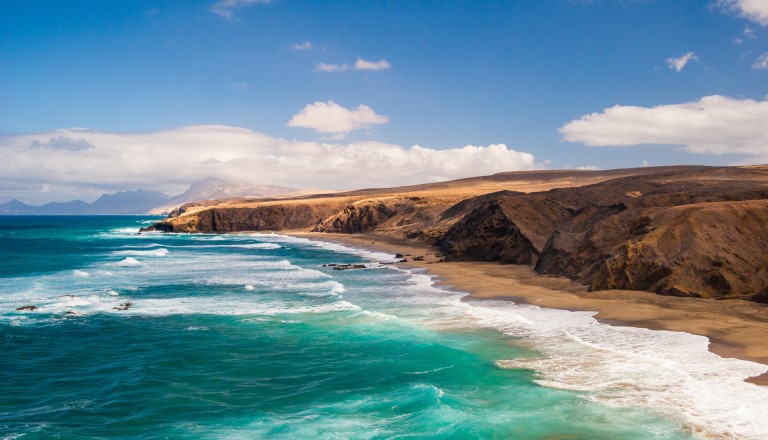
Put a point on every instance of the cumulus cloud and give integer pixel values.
(329, 117)
(223, 8)
(62, 143)
(712, 125)
(761, 62)
(170, 160)
(678, 64)
(362, 64)
(307, 45)
(753, 10)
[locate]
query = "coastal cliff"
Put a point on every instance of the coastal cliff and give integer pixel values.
(685, 231)
(274, 217)
(697, 235)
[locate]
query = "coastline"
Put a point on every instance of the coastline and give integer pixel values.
(735, 328)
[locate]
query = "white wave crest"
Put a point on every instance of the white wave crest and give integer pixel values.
(334, 247)
(160, 252)
(126, 262)
(80, 273)
(668, 372)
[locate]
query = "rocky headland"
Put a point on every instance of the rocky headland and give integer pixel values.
(684, 231)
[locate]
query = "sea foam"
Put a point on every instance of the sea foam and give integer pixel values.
(126, 262)
(160, 252)
(669, 373)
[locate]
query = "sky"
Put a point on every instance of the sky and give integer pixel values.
(104, 96)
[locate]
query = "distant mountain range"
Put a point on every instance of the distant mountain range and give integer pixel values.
(144, 202)
(213, 188)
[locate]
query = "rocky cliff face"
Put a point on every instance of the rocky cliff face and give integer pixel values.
(358, 217)
(714, 249)
(698, 235)
(407, 216)
(695, 231)
(508, 229)
(274, 217)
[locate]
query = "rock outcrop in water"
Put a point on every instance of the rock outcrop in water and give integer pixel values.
(686, 231)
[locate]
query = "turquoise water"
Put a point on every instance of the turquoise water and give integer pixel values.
(249, 336)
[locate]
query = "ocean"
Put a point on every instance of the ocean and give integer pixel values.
(255, 336)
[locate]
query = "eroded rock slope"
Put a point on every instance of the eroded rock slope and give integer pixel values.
(687, 231)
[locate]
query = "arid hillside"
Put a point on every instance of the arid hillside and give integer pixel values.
(686, 231)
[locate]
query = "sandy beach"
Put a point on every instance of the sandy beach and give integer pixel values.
(735, 328)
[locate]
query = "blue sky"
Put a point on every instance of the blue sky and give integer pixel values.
(290, 82)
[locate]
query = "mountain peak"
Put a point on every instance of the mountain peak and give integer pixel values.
(212, 188)
(13, 207)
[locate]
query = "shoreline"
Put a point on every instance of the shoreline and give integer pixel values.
(735, 328)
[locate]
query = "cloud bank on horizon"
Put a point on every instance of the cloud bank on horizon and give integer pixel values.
(66, 162)
(256, 73)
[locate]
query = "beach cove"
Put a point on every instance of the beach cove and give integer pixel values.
(700, 342)
(736, 329)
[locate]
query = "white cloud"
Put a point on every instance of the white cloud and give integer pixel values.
(761, 62)
(362, 64)
(307, 45)
(62, 143)
(753, 10)
(329, 117)
(359, 65)
(169, 160)
(678, 64)
(223, 8)
(712, 125)
(325, 67)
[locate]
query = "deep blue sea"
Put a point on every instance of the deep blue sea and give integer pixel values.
(249, 336)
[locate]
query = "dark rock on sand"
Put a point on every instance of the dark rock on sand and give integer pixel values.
(348, 266)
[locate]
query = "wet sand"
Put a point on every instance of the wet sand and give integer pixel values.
(735, 328)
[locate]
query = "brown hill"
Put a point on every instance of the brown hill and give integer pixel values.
(688, 231)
